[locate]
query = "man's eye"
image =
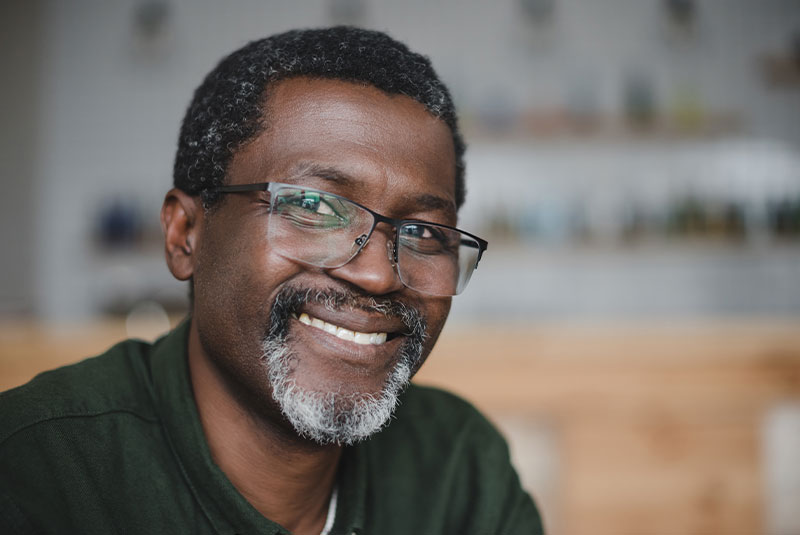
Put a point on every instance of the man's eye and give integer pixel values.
(313, 202)
(418, 231)
(309, 204)
(429, 240)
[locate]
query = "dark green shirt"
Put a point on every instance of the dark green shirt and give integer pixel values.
(114, 444)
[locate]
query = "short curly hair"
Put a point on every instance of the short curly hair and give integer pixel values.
(228, 108)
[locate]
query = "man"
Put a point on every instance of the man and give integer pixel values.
(317, 182)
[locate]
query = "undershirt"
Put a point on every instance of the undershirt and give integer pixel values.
(329, 520)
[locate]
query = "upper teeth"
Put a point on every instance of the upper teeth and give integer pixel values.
(341, 332)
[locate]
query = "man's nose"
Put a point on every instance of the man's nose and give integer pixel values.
(373, 268)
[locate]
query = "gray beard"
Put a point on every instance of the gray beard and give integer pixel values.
(333, 417)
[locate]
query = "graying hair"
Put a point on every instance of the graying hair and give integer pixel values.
(228, 108)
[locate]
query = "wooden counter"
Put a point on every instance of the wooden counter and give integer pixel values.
(617, 429)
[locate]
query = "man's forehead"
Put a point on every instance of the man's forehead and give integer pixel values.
(344, 132)
(327, 96)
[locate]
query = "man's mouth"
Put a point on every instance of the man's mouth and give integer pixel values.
(361, 338)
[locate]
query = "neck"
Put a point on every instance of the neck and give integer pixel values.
(286, 478)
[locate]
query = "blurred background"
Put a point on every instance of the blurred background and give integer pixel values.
(634, 328)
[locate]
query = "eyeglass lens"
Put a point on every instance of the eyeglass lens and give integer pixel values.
(325, 230)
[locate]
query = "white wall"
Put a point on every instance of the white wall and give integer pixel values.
(111, 102)
(20, 52)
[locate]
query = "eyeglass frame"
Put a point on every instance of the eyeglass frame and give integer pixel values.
(396, 224)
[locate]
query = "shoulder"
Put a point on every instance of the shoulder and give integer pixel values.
(432, 410)
(113, 381)
(445, 460)
(80, 444)
(432, 427)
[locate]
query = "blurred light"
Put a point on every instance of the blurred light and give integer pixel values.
(146, 321)
(782, 469)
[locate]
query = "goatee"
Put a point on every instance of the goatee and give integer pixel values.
(332, 417)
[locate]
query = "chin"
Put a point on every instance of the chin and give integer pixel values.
(335, 390)
(334, 416)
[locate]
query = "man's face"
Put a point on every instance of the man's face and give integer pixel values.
(385, 152)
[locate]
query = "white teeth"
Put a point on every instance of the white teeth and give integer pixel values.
(363, 338)
(330, 328)
(345, 334)
(341, 332)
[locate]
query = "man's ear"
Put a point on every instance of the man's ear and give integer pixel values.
(181, 215)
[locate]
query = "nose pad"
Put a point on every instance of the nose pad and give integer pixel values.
(358, 244)
(361, 242)
(368, 268)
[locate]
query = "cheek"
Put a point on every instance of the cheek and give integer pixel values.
(236, 277)
(436, 314)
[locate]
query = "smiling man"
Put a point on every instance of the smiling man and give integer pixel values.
(317, 183)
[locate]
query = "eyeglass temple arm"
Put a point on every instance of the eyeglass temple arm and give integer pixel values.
(481, 247)
(236, 188)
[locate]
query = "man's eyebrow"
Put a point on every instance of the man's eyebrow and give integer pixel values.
(427, 202)
(330, 174)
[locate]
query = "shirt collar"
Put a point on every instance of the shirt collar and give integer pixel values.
(224, 507)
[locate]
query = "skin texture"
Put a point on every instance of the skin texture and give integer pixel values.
(386, 152)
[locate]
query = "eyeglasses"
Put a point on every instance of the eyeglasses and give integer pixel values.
(326, 230)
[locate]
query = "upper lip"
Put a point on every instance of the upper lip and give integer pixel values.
(355, 320)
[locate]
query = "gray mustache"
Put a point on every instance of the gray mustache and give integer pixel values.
(290, 299)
